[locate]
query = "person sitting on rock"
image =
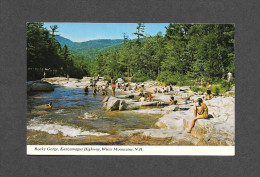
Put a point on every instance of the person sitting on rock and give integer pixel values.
(171, 100)
(155, 90)
(170, 88)
(203, 113)
(142, 99)
(150, 98)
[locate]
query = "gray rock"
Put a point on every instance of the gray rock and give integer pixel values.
(106, 99)
(113, 104)
(122, 105)
(42, 86)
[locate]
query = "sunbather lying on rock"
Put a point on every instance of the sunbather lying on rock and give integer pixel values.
(203, 113)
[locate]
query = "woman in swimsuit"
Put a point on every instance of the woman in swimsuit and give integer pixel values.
(203, 113)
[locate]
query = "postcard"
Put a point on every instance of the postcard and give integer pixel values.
(130, 89)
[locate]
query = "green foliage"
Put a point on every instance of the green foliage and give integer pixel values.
(139, 77)
(45, 54)
(199, 88)
(216, 89)
(185, 54)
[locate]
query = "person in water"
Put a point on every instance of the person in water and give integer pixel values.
(91, 83)
(94, 90)
(203, 113)
(86, 89)
(49, 105)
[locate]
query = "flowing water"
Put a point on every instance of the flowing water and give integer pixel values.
(78, 118)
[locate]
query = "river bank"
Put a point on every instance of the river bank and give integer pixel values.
(169, 123)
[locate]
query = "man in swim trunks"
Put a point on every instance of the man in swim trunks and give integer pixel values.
(203, 113)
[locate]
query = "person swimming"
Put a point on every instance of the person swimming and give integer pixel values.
(49, 105)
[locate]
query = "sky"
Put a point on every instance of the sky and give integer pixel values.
(79, 32)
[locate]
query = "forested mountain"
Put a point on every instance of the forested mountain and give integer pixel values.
(90, 48)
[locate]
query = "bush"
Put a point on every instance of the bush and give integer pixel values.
(199, 88)
(138, 77)
(216, 90)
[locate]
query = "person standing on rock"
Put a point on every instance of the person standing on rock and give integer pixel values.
(44, 75)
(203, 113)
(229, 76)
(113, 83)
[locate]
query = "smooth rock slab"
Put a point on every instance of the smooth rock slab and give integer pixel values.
(41, 86)
(112, 104)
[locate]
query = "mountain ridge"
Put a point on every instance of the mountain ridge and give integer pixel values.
(89, 48)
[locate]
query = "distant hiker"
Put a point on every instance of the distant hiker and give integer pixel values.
(203, 113)
(44, 75)
(49, 105)
(113, 83)
(161, 84)
(229, 76)
(68, 77)
(91, 83)
(86, 89)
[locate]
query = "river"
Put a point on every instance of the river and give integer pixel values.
(78, 118)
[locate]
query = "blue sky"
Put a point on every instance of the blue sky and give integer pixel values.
(79, 32)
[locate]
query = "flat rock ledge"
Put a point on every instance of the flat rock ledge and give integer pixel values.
(218, 130)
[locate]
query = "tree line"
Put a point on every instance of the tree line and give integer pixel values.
(186, 53)
(45, 54)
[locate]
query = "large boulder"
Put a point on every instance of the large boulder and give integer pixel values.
(122, 105)
(113, 104)
(41, 86)
(120, 80)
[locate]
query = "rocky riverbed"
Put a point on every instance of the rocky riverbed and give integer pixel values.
(218, 129)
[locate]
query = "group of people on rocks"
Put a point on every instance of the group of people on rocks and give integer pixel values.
(165, 89)
(200, 110)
